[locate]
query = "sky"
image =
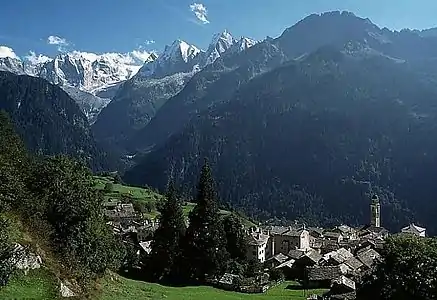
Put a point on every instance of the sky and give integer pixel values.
(51, 26)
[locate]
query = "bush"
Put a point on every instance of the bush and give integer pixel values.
(109, 187)
(276, 275)
(6, 267)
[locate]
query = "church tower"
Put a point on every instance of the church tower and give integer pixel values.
(375, 212)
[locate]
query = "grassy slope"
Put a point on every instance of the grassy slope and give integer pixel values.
(146, 195)
(121, 288)
(38, 284)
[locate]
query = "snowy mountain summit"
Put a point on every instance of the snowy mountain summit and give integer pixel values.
(94, 79)
(181, 57)
(88, 71)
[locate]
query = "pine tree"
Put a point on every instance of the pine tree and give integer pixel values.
(236, 238)
(166, 248)
(13, 164)
(6, 253)
(205, 245)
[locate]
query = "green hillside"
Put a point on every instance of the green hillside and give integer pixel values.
(145, 197)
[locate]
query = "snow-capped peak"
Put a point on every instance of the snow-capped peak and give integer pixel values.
(180, 49)
(243, 44)
(223, 40)
(220, 43)
(11, 64)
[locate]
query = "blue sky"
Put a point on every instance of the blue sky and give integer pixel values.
(124, 25)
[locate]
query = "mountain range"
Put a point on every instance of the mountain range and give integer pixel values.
(303, 126)
(307, 125)
(161, 78)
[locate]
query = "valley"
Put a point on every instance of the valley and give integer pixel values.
(284, 167)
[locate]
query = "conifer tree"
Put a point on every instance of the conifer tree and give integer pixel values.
(13, 164)
(205, 244)
(166, 248)
(236, 238)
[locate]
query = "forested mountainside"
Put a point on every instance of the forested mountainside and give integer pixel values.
(312, 138)
(48, 120)
(218, 81)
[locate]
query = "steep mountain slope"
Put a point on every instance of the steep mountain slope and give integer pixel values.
(311, 138)
(214, 84)
(161, 78)
(48, 120)
(357, 36)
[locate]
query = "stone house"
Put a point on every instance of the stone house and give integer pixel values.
(333, 236)
(290, 239)
(276, 260)
(258, 245)
(348, 233)
(368, 257)
(337, 257)
(322, 276)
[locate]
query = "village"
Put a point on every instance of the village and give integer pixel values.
(334, 259)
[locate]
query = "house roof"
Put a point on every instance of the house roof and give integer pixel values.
(280, 258)
(313, 255)
(368, 257)
(345, 229)
(324, 273)
(294, 232)
(295, 254)
(331, 234)
(286, 264)
(339, 256)
(372, 229)
(353, 263)
(315, 231)
(413, 227)
(258, 238)
(277, 230)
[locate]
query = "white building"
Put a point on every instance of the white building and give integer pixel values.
(257, 245)
(414, 229)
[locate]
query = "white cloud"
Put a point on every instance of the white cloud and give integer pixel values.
(36, 59)
(200, 12)
(60, 42)
(149, 42)
(7, 52)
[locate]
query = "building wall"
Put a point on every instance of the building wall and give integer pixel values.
(284, 243)
(257, 252)
(304, 240)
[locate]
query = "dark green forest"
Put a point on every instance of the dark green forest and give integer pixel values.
(49, 121)
(312, 139)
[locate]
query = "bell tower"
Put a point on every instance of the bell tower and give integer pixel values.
(375, 211)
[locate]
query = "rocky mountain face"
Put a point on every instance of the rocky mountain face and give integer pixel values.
(49, 121)
(88, 78)
(307, 125)
(140, 98)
